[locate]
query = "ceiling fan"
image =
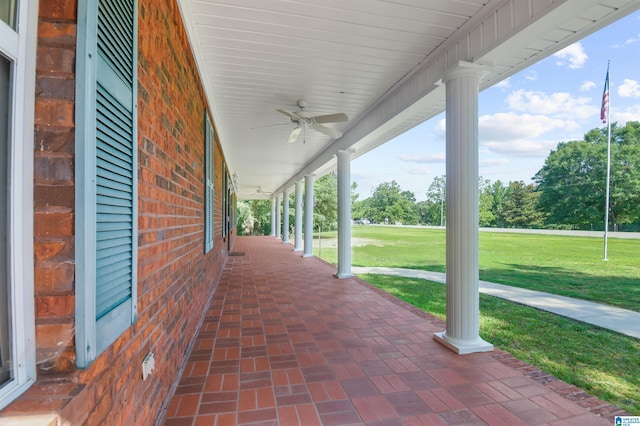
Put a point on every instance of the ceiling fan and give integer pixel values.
(304, 119)
(259, 191)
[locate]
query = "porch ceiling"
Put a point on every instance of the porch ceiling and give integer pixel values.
(378, 61)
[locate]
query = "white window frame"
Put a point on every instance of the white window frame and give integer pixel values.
(20, 49)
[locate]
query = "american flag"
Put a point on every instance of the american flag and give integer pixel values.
(605, 100)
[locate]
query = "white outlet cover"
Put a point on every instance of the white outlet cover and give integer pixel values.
(147, 365)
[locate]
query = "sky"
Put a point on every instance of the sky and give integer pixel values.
(523, 118)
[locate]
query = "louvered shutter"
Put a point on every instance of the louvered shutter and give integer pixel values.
(208, 196)
(224, 216)
(106, 174)
(116, 195)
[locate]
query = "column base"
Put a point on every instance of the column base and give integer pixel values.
(297, 249)
(307, 255)
(462, 347)
(343, 275)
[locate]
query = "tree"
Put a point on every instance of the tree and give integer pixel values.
(254, 217)
(245, 219)
(325, 199)
(362, 209)
(572, 181)
(500, 195)
(389, 203)
(434, 209)
(485, 203)
(437, 196)
(521, 211)
(325, 203)
(426, 210)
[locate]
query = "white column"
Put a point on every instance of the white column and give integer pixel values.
(297, 243)
(278, 202)
(308, 215)
(285, 217)
(273, 217)
(463, 312)
(344, 214)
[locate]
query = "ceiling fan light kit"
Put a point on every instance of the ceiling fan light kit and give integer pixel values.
(304, 119)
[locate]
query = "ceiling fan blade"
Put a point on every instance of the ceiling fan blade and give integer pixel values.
(331, 118)
(271, 125)
(291, 115)
(328, 131)
(294, 134)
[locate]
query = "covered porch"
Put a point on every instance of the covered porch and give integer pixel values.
(284, 342)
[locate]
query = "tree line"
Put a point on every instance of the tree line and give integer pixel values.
(568, 192)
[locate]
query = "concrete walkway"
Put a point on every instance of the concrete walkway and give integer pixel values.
(620, 320)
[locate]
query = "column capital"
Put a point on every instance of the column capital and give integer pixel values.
(465, 69)
(345, 151)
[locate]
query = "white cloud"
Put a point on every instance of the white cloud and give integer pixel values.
(629, 89)
(627, 42)
(632, 40)
(562, 104)
(526, 148)
(518, 134)
(531, 75)
(440, 128)
(631, 113)
(420, 170)
(509, 126)
(425, 158)
(573, 53)
(504, 84)
(587, 85)
(365, 175)
(492, 162)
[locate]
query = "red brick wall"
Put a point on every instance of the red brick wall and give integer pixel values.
(54, 187)
(175, 278)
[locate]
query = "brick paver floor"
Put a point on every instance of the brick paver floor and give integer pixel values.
(284, 342)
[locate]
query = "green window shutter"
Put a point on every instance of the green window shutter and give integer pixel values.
(106, 159)
(208, 196)
(225, 191)
(116, 166)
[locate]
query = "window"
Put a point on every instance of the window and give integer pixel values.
(8, 13)
(17, 94)
(106, 174)
(5, 306)
(208, 190)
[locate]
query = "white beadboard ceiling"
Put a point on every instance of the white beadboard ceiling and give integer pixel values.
(378, 61)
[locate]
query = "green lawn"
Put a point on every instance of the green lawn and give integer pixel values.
(569, 266)
(603, 363)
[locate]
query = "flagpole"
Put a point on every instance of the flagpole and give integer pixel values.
(606, 213)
